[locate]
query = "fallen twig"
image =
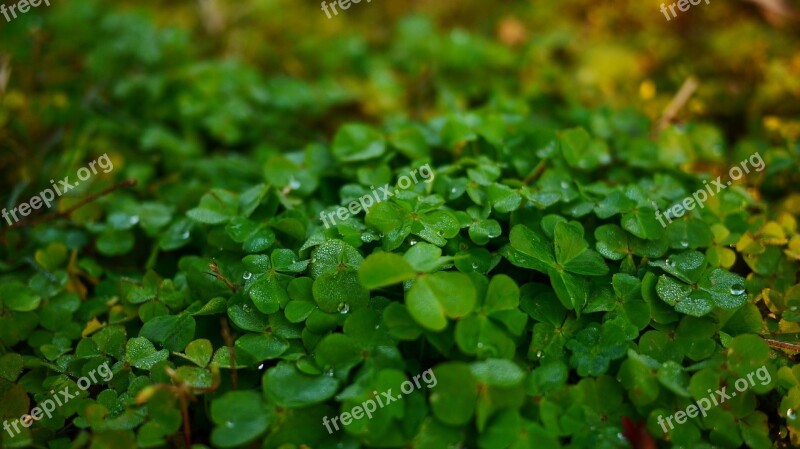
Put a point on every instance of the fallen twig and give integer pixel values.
(684, 93)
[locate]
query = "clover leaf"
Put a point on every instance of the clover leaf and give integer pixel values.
(399, 218)
(594, 347)
(289, 387)
(18, 297)
(565, 260)
(698, 288)
(240, 417)
(489, 331)
(380, 270)
(355, 142)
(140, 353)
(435, 297)
(217, 206)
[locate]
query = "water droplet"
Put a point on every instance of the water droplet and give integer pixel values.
(381, 235)
(439, 233)
(412, 242)
(670, 263)
(790, 414)
(133, 220)
(620, 436)
(313, 260)
(564, 184)
(539, 354)
(480, 345)
(185, 235)
(261, 366)
(683, 244)
(329, 372)
(246, 307)
(293, 183)
(454, 190)
(229, 424)
(247, 275)
(377, 326)
(343, 308)
(474, 265)
(737, 289)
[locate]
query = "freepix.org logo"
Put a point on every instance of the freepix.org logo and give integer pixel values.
(47, 196)
(59, 398)
(376, 196)
(23, 6)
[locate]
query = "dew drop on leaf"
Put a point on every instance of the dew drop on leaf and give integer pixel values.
(247, 275)
(737, 289)
(790, 414)
(343, 308)
(412, 242)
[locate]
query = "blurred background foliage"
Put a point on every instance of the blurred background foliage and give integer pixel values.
(154, 82)
(185, 96)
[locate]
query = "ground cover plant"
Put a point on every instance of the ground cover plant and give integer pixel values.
(459, 216)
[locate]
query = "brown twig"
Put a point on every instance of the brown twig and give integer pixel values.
(187, 427)
(776, 12)
(536, 172)
(215, 273)
(678, 101)
(212, 16)
(782, 345)
(5, 73)
(228, 338)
